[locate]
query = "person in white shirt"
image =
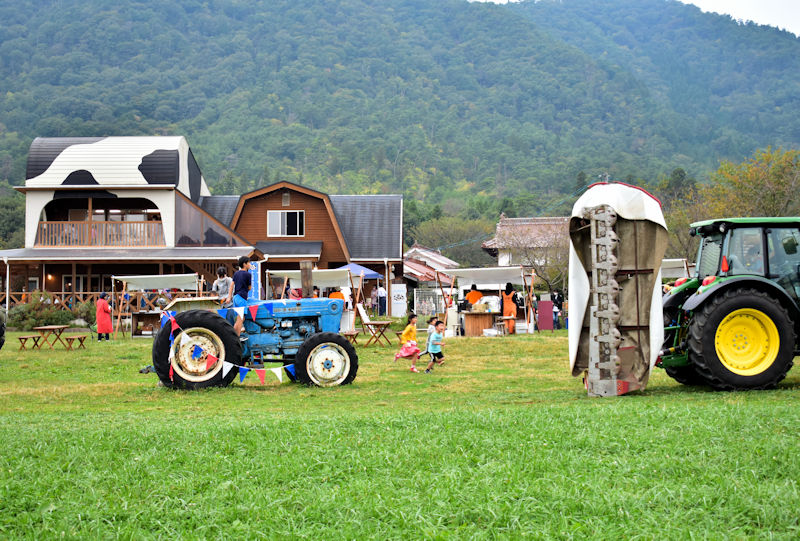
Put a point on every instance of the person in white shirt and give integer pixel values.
(381, 300)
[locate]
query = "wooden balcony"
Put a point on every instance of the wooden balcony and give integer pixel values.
(123, 234)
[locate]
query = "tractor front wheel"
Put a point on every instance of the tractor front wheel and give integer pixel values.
(742, 339)
(326, 359)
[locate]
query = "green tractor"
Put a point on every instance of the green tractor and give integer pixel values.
(734, 325)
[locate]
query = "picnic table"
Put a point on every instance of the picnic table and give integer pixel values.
(47, 331)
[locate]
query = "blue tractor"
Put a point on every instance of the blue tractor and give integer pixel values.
(303, 333)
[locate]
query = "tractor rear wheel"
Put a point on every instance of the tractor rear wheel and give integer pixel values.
(687, 375)
(203, 342)
(326, 359)
(742, 339)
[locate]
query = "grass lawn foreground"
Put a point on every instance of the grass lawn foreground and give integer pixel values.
(500, 442)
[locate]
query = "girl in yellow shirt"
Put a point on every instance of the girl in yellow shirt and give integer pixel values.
(409, 340)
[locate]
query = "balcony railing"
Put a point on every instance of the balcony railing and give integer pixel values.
(100, 234)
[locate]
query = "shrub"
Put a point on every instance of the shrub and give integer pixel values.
(41, 310)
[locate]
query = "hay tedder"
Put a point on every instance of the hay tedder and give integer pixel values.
(198, 347)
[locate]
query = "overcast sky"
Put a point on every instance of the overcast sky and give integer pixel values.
(784, 14)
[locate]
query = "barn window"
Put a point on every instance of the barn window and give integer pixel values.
(286, 223)
(286, 199)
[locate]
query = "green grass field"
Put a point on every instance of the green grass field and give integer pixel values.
(499, 443)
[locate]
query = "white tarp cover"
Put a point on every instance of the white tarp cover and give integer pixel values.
(159, 281)
(630, 203)
(321, 278)
(498, 276)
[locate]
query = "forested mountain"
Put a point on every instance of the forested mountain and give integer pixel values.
(467, 108)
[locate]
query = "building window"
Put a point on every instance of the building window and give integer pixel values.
(286, 199)
(285, 223)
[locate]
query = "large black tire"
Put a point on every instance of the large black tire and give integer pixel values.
(213, 334)
(326, 359)
(2, 331)
(687, 375)
(733, 344)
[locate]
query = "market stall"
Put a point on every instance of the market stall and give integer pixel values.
(485, 315)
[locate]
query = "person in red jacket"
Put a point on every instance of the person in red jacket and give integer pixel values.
(103, 317)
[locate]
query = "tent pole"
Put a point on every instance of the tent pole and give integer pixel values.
(119, 311)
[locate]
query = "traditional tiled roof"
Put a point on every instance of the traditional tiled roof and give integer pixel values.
(528, 232)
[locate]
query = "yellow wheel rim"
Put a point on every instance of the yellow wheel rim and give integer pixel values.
(747, 342)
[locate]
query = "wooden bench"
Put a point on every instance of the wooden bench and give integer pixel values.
(81, 338)
(24, 339)
(351, 336)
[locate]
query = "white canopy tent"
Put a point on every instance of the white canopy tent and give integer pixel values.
(492, 278)
(489, 277)
(159, 281)
(321, 277)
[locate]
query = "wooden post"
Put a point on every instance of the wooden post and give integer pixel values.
(285, 283)
(307, 282)
(119, 309)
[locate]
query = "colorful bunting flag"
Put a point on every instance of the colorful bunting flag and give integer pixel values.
(171, 372)
(175, 326)
(242, 373)
(185, 339)
(278, 373)
(253, 311)
(223, 312)
(210, 361)
(290, 368)
(197, 351)
(262, 373)
(171, 351)
(226, 367)
(239, 311)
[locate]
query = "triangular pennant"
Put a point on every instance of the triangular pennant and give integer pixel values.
(278, 373)
(211, 360)
(239, 311)
(226, 367)
(164, 318)
(253, 311)
(242, 373)
(262, 373)
(171, 354)
(171, 340)
(171, 372)
(175, 326)
(290, 368)
(185, 339)
(197, 351)
(223, 312)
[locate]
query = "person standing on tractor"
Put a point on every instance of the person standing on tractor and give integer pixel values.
(222, 286)
(509, 309)
(239, 291)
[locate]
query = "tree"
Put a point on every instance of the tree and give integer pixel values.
(765, 185)
(456, 238)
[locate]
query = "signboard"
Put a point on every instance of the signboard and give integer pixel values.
(399, 300)
(255, 280)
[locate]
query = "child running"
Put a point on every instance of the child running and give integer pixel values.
(435, 343)
(431, 330)
(409, 339)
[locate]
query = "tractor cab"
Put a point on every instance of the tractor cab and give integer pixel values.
(758, 247)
